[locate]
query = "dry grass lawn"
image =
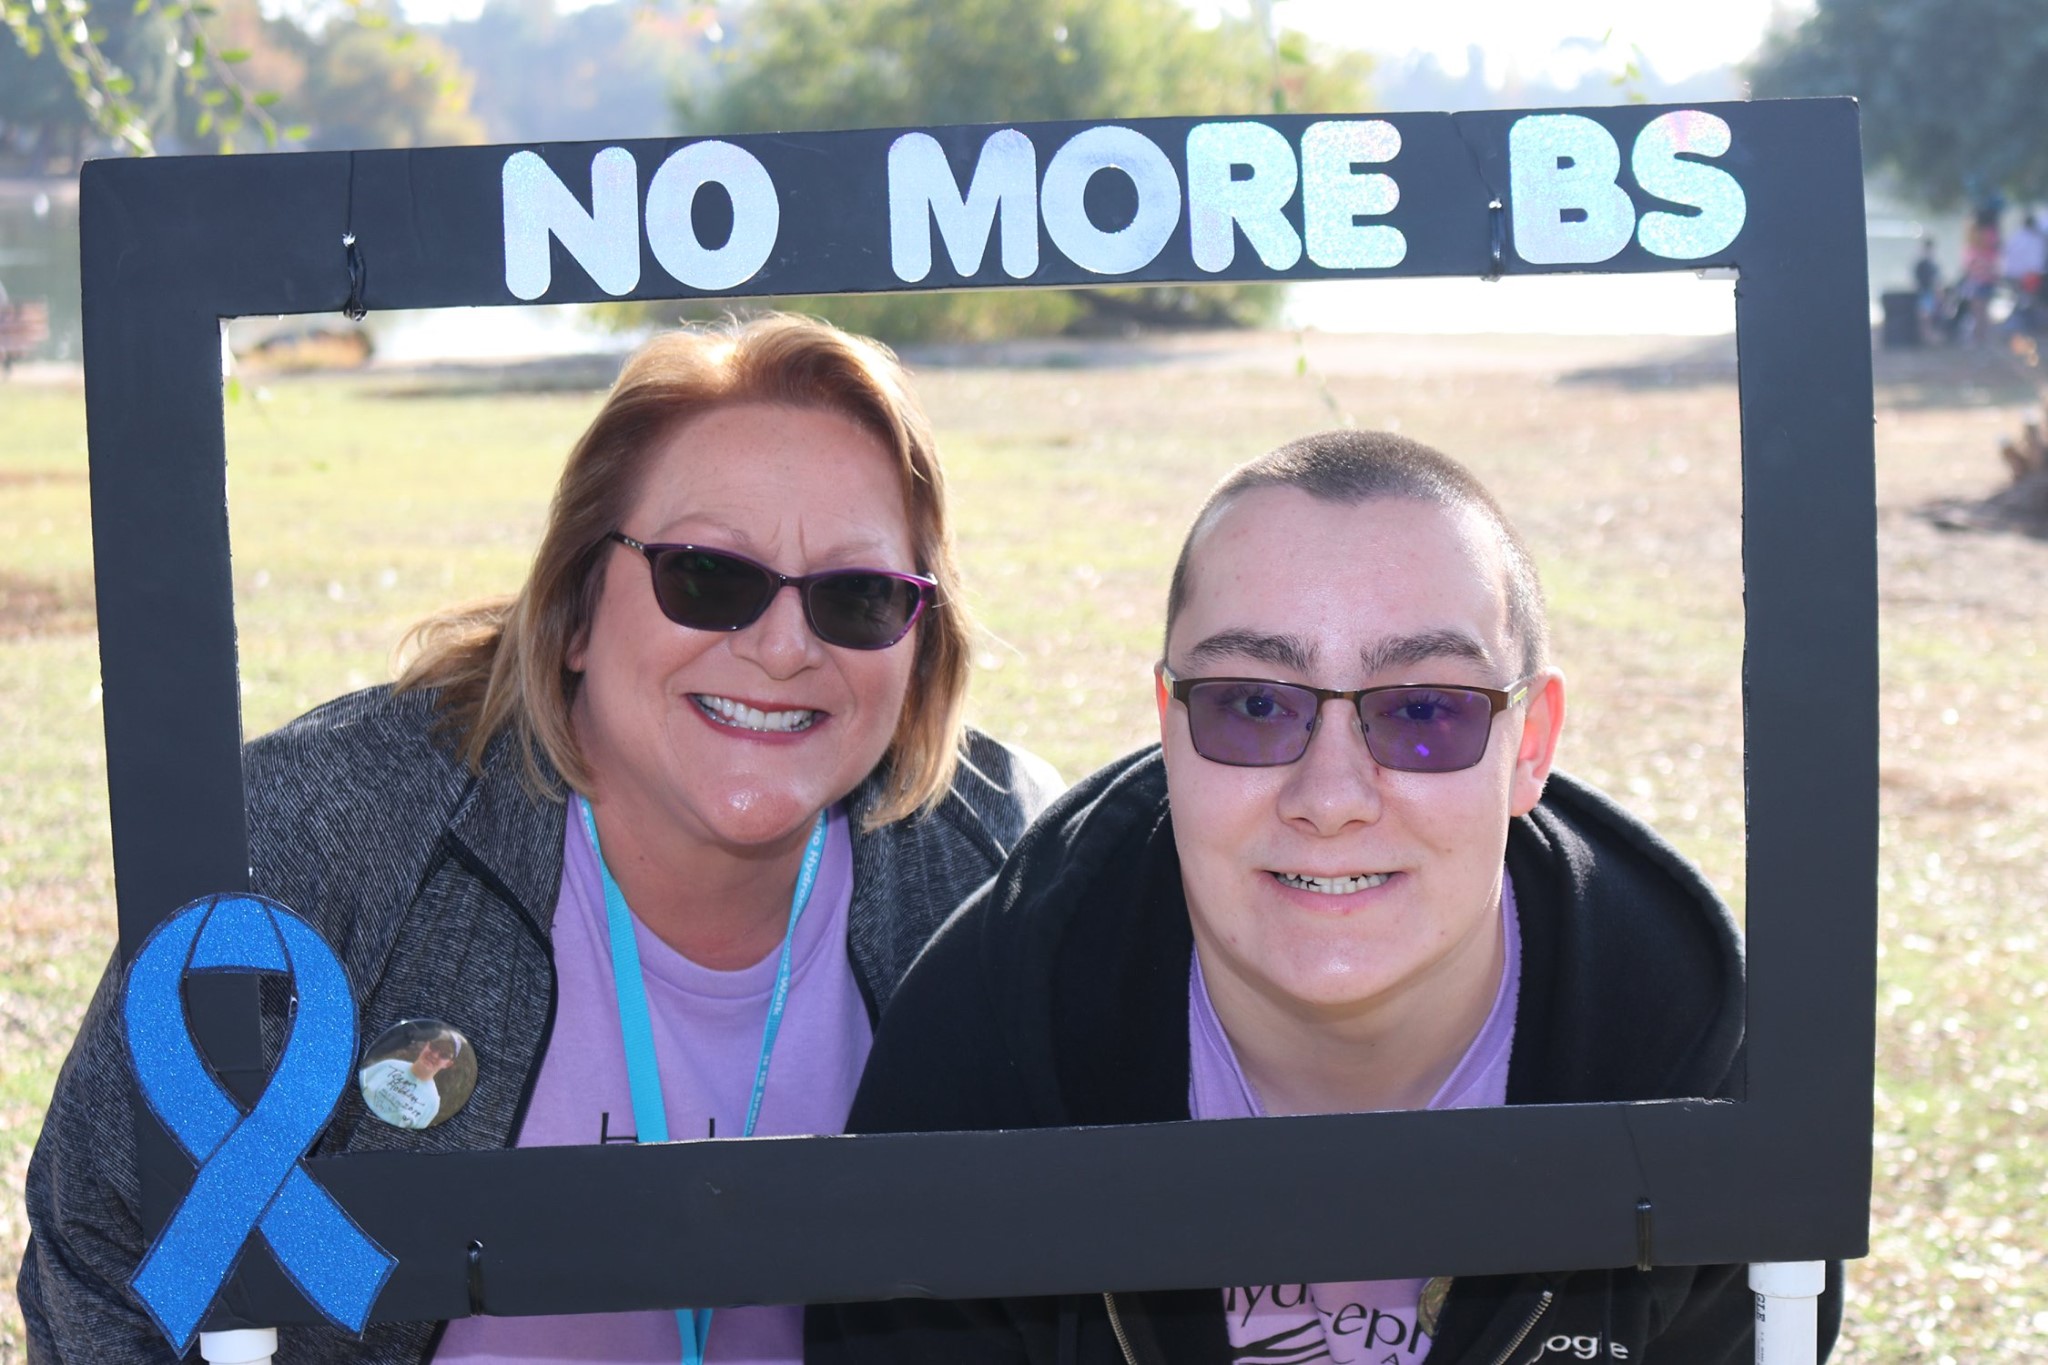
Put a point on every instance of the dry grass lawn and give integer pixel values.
(359, 504)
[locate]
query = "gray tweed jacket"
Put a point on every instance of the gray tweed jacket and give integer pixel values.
(436, 886)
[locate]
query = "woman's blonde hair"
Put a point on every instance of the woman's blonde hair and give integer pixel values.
(501, 666)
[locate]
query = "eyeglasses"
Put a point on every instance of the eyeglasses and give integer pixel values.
(718, 590)
(1409, 727)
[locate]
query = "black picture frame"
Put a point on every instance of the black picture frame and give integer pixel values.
(172, 246)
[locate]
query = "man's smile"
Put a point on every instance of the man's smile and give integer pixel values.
(1333, 886)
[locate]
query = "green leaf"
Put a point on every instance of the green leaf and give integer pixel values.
(205, 124)
(265, 98)
(120, 85)
(297, 132)
(235, 54)
(214, 99)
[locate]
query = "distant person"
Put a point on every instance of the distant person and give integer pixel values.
(1927, 292)
(712, 755)
(2025, 260)
(1983, 266)
(1346, 879)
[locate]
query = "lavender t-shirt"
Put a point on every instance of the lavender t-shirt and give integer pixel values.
(1366, 1322)
(707, 1041)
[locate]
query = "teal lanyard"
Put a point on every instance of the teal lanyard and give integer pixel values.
(636, 1026)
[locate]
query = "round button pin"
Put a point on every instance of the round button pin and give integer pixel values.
(417, 1073)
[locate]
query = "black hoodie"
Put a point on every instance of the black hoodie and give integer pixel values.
(1058, 996)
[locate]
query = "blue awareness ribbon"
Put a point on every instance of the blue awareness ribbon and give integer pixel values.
(250, 1176)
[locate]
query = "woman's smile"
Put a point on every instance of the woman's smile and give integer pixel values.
(729, 713)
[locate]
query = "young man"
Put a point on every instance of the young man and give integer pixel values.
(1346, 880)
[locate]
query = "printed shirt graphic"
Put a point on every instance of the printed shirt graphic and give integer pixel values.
(707, 1040)
(1367, 1322)
(398, 1097)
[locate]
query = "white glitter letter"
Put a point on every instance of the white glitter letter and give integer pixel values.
(604, 241)
(1216, 202)
(922, 192)
(1133, 246)
(756, 216)
(1334, 196)
(1717, 194)
(1562, 164)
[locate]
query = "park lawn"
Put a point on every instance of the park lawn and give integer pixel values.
(359, 504)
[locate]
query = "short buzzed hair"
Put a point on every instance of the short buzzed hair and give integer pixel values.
(1350, 467)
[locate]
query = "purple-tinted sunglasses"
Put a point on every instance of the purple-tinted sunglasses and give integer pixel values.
(1410, 727)
(719, 590)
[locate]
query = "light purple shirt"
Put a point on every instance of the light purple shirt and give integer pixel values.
(1365, 1320)
(707, 1041)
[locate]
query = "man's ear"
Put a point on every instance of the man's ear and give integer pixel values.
(1542, 723)
(1160, 696)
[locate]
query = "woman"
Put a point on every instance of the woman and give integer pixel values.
(653, 775)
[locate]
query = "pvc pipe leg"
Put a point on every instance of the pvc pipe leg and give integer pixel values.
(244, 1346)
(1787, 1311)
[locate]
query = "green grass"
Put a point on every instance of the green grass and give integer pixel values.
(355, 511)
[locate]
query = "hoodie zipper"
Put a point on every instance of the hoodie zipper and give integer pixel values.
(1116, 1325)
(1542, 1307)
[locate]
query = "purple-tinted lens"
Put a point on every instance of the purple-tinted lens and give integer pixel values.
(1250, 724)
(1426, 729)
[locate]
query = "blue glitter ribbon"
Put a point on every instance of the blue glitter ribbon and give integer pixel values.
(250, 1177)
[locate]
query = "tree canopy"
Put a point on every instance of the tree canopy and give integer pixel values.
(603, 71)
(823, 64)
(1954, 92)
(149, 75)
(876, 63)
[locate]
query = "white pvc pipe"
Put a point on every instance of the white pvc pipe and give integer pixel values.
(243, 1346)
(1787, 1311)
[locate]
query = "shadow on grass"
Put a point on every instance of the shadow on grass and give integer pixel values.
(1911, 378)
(1916, 378)
(1081, 353)
(1686, 364)
(590, 373)
(596, 371)
(45, 606)
(2018, 509)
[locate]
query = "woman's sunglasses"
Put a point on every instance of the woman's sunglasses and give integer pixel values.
(718, 590)
(1412, 728)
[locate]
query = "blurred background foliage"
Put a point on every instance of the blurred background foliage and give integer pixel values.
(1954, 92)
(817, 64)
(239, 74)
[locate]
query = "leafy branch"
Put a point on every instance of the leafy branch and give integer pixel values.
(63, 28)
